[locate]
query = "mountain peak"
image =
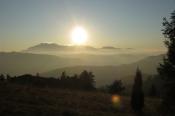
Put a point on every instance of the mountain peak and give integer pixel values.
(53, 47)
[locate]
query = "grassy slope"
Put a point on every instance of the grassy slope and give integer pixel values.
(29, 101)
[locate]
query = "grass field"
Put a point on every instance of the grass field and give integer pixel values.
(18, 100)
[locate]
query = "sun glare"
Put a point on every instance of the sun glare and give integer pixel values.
(79, 35)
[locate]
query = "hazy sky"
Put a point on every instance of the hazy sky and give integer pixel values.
(120, 23)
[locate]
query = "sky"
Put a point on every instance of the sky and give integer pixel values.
(120, 23)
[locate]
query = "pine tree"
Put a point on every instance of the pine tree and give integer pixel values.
(137, 97)
(167, 68)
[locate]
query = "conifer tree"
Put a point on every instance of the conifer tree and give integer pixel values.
(167, 68)
(137, 97)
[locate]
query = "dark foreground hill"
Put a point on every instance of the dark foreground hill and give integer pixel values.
(21, 100)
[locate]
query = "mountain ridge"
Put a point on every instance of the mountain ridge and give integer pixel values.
(53, 47)
(106, 74)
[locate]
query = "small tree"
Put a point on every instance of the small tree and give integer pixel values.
(37, 74)
(2, 77)
(152, 91)
(137, 97)
(116, 87)
(87, 80)
(8, 77)
(63, 76)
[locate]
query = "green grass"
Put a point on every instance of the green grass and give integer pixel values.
(18, 100)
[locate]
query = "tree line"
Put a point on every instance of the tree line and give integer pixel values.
(85, 80)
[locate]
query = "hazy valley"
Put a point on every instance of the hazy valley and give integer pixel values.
(106, 67)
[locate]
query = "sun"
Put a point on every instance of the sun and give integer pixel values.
(79, 35)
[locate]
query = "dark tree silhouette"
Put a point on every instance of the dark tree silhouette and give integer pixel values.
(84, 81)
(167, 68)
(37, 75)
(137, 97)
(152, 91)
(87, 80)
(2, 77)
(8, 77)
(63, 76)
(116, 87)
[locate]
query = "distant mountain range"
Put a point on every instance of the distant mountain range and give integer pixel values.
(45, 47)
(106, 74)
(53, 47)
(105, 67)
(16, 63)
(87, 55)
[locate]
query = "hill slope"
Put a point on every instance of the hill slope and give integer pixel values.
(19, 63)
(89, 55)
(29, 101)
(106, 74)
